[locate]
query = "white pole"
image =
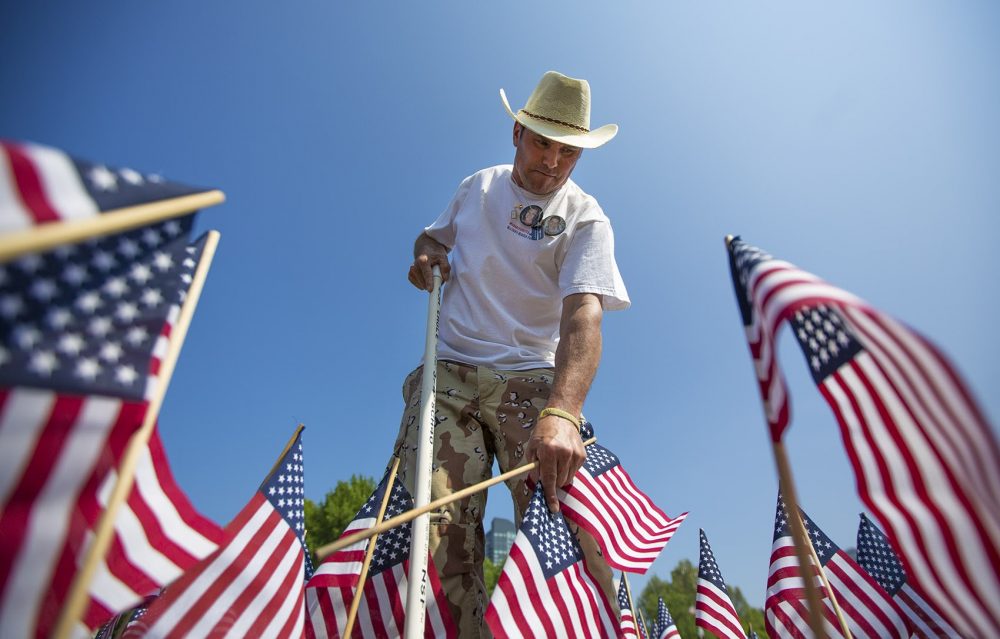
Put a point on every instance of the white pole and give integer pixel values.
(416, 589)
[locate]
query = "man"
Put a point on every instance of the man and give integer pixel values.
(531, 271)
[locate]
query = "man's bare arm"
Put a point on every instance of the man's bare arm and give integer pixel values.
(428, 252)
(555, 442)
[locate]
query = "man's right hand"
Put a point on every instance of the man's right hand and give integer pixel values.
(428, 253)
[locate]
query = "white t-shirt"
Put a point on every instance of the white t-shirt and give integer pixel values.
(502, 304)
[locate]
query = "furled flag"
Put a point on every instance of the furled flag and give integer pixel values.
(116, 626)
(880, 561)
(252, 585)
(382, 607)
(82, 331)
(665, 628)
(926, 461)
(545, 589)
(713, 609)
(604, 501)
(868, 610)
(41, 185)
(628, 619)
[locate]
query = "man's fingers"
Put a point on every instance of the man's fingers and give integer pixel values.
(550, 482)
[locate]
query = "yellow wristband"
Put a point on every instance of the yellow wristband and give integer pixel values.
(558, 412)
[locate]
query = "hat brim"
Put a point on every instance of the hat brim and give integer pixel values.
(562, 134)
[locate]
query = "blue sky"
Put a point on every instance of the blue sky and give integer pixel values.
(860, 141)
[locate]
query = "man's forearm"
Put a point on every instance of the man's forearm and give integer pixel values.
(578, 353)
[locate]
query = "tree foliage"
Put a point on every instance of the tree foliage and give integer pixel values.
(491, 574)
(679, 594)
(327, 520)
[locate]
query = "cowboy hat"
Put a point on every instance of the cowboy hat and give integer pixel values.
(559, 109)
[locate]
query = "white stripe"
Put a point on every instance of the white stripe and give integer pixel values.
(566, 585)
(61, 183)
(922, 607)
(512, 572)
(851, 593)
(290, 563)
(219, 563)
(13, 215)
(174, 527)
(904, 490)
(960, 526)
(967, 448)
(107, 589)
(385, 597)
(314, 613)
(21, 423)
(31, 570)
(244, 580)
(714, 613)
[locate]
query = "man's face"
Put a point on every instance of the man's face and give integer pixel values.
(541, 165)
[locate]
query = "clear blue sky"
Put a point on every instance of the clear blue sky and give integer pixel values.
(860, 141)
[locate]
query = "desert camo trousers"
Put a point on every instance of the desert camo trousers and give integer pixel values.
(481, 414)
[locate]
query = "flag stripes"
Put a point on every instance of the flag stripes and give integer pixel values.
(604, 501)
(926, 461)
(715, 612)
(525, 605)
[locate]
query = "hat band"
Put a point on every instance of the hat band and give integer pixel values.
(554, 121)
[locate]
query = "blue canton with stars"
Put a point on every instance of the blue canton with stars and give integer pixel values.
(707, 568)
(392, 547)
(599, 460)
(825, 548)
(623, 596)
(825, 339)
(663, 618)
(743, 258)
(114, 188)
(285, 489)
(877, 557)
(555, 547)
(85, 318)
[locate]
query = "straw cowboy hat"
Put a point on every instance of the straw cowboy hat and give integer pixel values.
(559, 109)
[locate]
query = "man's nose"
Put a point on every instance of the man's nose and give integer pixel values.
(550, 157)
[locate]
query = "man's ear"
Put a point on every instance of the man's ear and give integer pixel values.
(518, 130)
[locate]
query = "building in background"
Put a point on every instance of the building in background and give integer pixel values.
(499, 539)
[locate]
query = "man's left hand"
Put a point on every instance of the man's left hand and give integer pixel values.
(556, 445)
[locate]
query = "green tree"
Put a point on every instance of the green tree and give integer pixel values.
(679, 594)
(327, 520)
(491, 574)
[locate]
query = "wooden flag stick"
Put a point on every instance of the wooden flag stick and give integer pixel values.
(628, 592)
(829, 589)
(79, 590)
(801, 538)
(353, 612)
(410, 515)
(46, 236)
(277, 462)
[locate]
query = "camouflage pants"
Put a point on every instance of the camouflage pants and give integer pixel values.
(482, 414)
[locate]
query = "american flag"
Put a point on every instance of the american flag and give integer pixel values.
(82, 331)
(880, 561)
(665, 628)
(713, 609)
(926, 461)
(382, 608)
(545, 590)
(868, 610)
(252, 585)
(629, 622)
(41, 185)
(604, 501)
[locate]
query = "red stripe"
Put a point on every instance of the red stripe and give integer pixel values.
(258, 584)
(207, 596)
(194, 519)
(288, 629)
(857, 605)
(374, 608)
(393, 583)
(517, 615)
(564, 611)
(29, 185)
(598, 598)
(291, 582)
(915, 610)
(728, 621)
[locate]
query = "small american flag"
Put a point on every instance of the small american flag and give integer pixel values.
(868, 610)
(41, 185)
(382, 608)
(713, 609)
(604, 501)
(252, 585)
(629, 622)
(82, 331)
(927, 463)
(545, 590)
(880, 561)
(665, 628)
